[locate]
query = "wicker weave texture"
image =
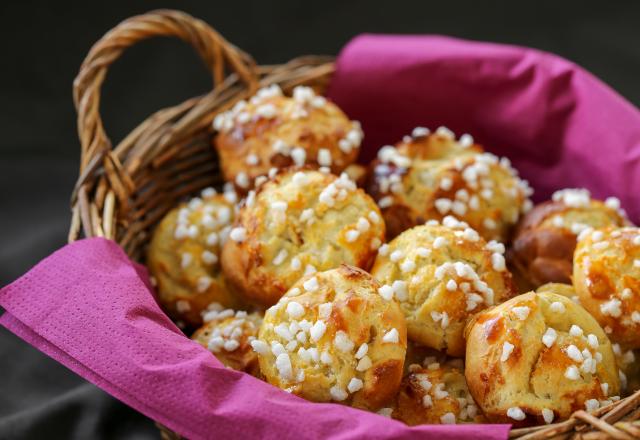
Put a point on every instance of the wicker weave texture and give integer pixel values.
(123, 191)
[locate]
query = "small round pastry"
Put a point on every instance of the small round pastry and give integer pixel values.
(333, 338)
(275, 131)
(536, 359)
(438, 176)
(299, 222)
(606, 276)
(545, 239)
(435, 394)
(629, 369)
(441, 275)
(184, 253)
(228, 334)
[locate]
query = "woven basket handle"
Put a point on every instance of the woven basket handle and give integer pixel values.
(214, 50)
(220, 57)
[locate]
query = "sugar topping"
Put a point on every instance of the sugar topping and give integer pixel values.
(516, 413)
(392, 336)
(549, 337)
(507, 349)
(573, 197)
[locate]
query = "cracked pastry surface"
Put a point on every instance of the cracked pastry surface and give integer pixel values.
(432, 175)
(184, 256)
(228, 335)
(299, 222)
(545, 239)
(275, 131)
(441, 274)
(606, 276)
(536, 359)
(333, 338)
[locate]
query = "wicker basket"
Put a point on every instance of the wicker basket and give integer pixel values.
(123, 191)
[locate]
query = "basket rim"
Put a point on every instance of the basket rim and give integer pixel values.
(107, 173)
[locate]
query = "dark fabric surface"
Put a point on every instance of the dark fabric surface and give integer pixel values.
(43, 46)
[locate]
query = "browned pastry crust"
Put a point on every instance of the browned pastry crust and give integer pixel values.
(184, 253)
(441, 275)
(333, 338)
(606, 276)
(545, 239)
(433, 175)
(299, 222)
(274, 131)
(537, 358)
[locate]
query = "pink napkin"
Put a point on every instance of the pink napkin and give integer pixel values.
(560, 126)
(90, 307)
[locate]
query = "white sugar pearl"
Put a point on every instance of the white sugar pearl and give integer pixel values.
(299, 156)
(324, 157)
(231, 345)
(295, 310)
(338, 393)
(498, 262)
(548, 415)
(203, 283)
(326, 358)
(549, 337)
(516, 413)
(355, 385)
(186, 260)
(324, 310)
(311, 284)
(363, 224)
(557, 307)
(283, 364)
(611, 308)
(343, 342)
(439, 242)
(362, 350)
(317, 331)
(408, 266)
(448, 419)
(591, 405)
(576, 331)
(521, 312)
(396, 256)
(391, 336)
(574, 354)
(296, 264)
(400, 290)
(572, 373)
(279, 259)
(507, 349)
(364, 364)
(238, 234)
(209, 257)
(260, 347)
(352, 235)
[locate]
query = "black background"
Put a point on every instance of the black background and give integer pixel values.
(43, 44)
